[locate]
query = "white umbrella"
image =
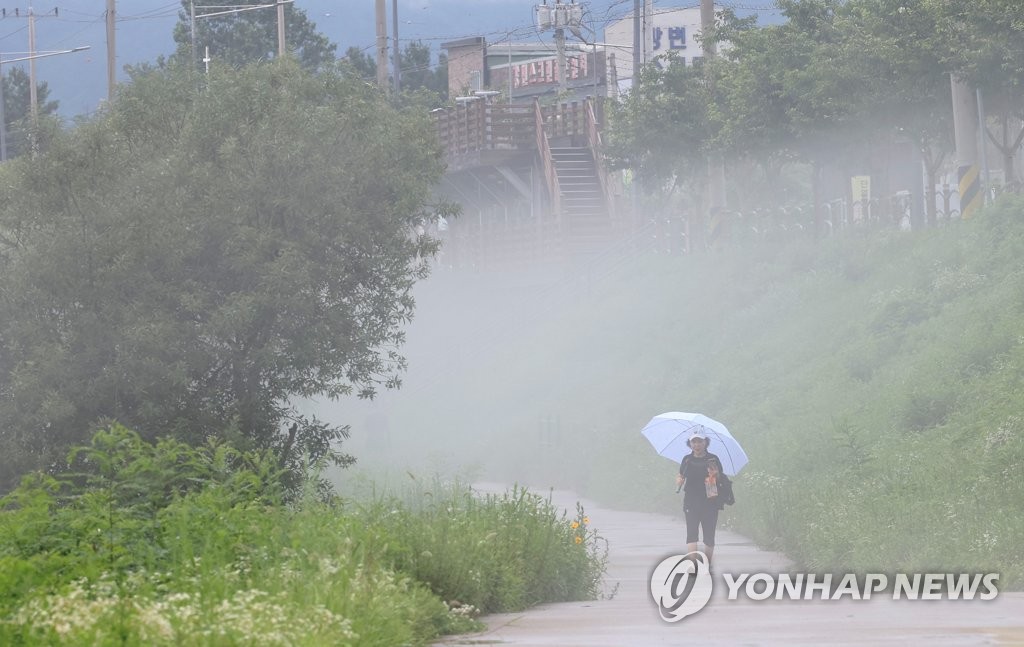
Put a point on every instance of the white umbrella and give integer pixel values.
(669, 432)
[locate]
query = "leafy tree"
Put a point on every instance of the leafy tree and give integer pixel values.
(418, 73)
(249, 36)
(905, 82)
(661, 128)
(983, 46)
(751, 110)
(834, 84)
(17, 108)
(362, 62)
(186, 262)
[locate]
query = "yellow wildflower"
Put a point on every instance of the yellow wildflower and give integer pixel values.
(579, 540)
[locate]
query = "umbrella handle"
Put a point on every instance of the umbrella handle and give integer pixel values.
(679, 488)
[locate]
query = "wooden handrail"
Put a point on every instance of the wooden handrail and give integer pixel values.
(595, 144)
(547, 161)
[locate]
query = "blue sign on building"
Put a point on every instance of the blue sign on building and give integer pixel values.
(676, 37)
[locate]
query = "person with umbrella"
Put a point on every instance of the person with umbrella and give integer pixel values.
(684, 439)
(700, 473)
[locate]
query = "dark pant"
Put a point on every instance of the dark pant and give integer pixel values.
(701, 515)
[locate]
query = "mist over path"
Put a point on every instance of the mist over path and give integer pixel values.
(627, 617)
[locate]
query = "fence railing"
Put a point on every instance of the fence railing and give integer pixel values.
(594, 141)
(547, 161)
(468, 129)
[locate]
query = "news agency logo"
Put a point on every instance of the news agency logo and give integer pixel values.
(916, 586)
(681, 586)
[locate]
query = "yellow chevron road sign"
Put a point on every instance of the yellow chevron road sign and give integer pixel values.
(971, 197)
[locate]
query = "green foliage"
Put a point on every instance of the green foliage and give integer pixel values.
(419, 74)
(165, 544)
(18, 112)
(675, 100)
(361, 62)
(496, 552)
(834, 83)
(189, 259)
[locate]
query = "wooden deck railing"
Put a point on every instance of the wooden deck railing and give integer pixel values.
(470, 128)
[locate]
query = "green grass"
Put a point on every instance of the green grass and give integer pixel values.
(168, 545)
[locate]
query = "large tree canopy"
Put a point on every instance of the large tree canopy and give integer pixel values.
(248, 36)
(190, 259)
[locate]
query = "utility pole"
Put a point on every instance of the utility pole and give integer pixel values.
(394, 43)
(111, 50)
(965, 135)
(32, 93)
(560, 16)
(637, 43)
(382, 45)
(280, 29)
(3, 117)
(648, 31)
(560, 51)
(192, 29)
(716, 165)
(986, 184)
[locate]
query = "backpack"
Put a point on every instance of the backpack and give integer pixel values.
(725, 494)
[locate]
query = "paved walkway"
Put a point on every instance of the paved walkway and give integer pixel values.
(639, 541)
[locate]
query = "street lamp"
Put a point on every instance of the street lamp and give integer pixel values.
(30, 57)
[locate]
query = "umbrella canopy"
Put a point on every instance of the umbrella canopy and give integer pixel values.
(669, 432)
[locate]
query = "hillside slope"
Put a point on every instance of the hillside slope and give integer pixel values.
(874, 380)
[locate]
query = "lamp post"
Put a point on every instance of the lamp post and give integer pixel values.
(3, 116)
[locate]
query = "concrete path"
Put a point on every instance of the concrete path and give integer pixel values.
(629, 617)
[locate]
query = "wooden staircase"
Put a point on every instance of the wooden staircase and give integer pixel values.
(586, 222)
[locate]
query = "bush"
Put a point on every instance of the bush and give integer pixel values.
(163, 544)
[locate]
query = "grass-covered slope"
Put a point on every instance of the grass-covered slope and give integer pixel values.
(875, 380)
